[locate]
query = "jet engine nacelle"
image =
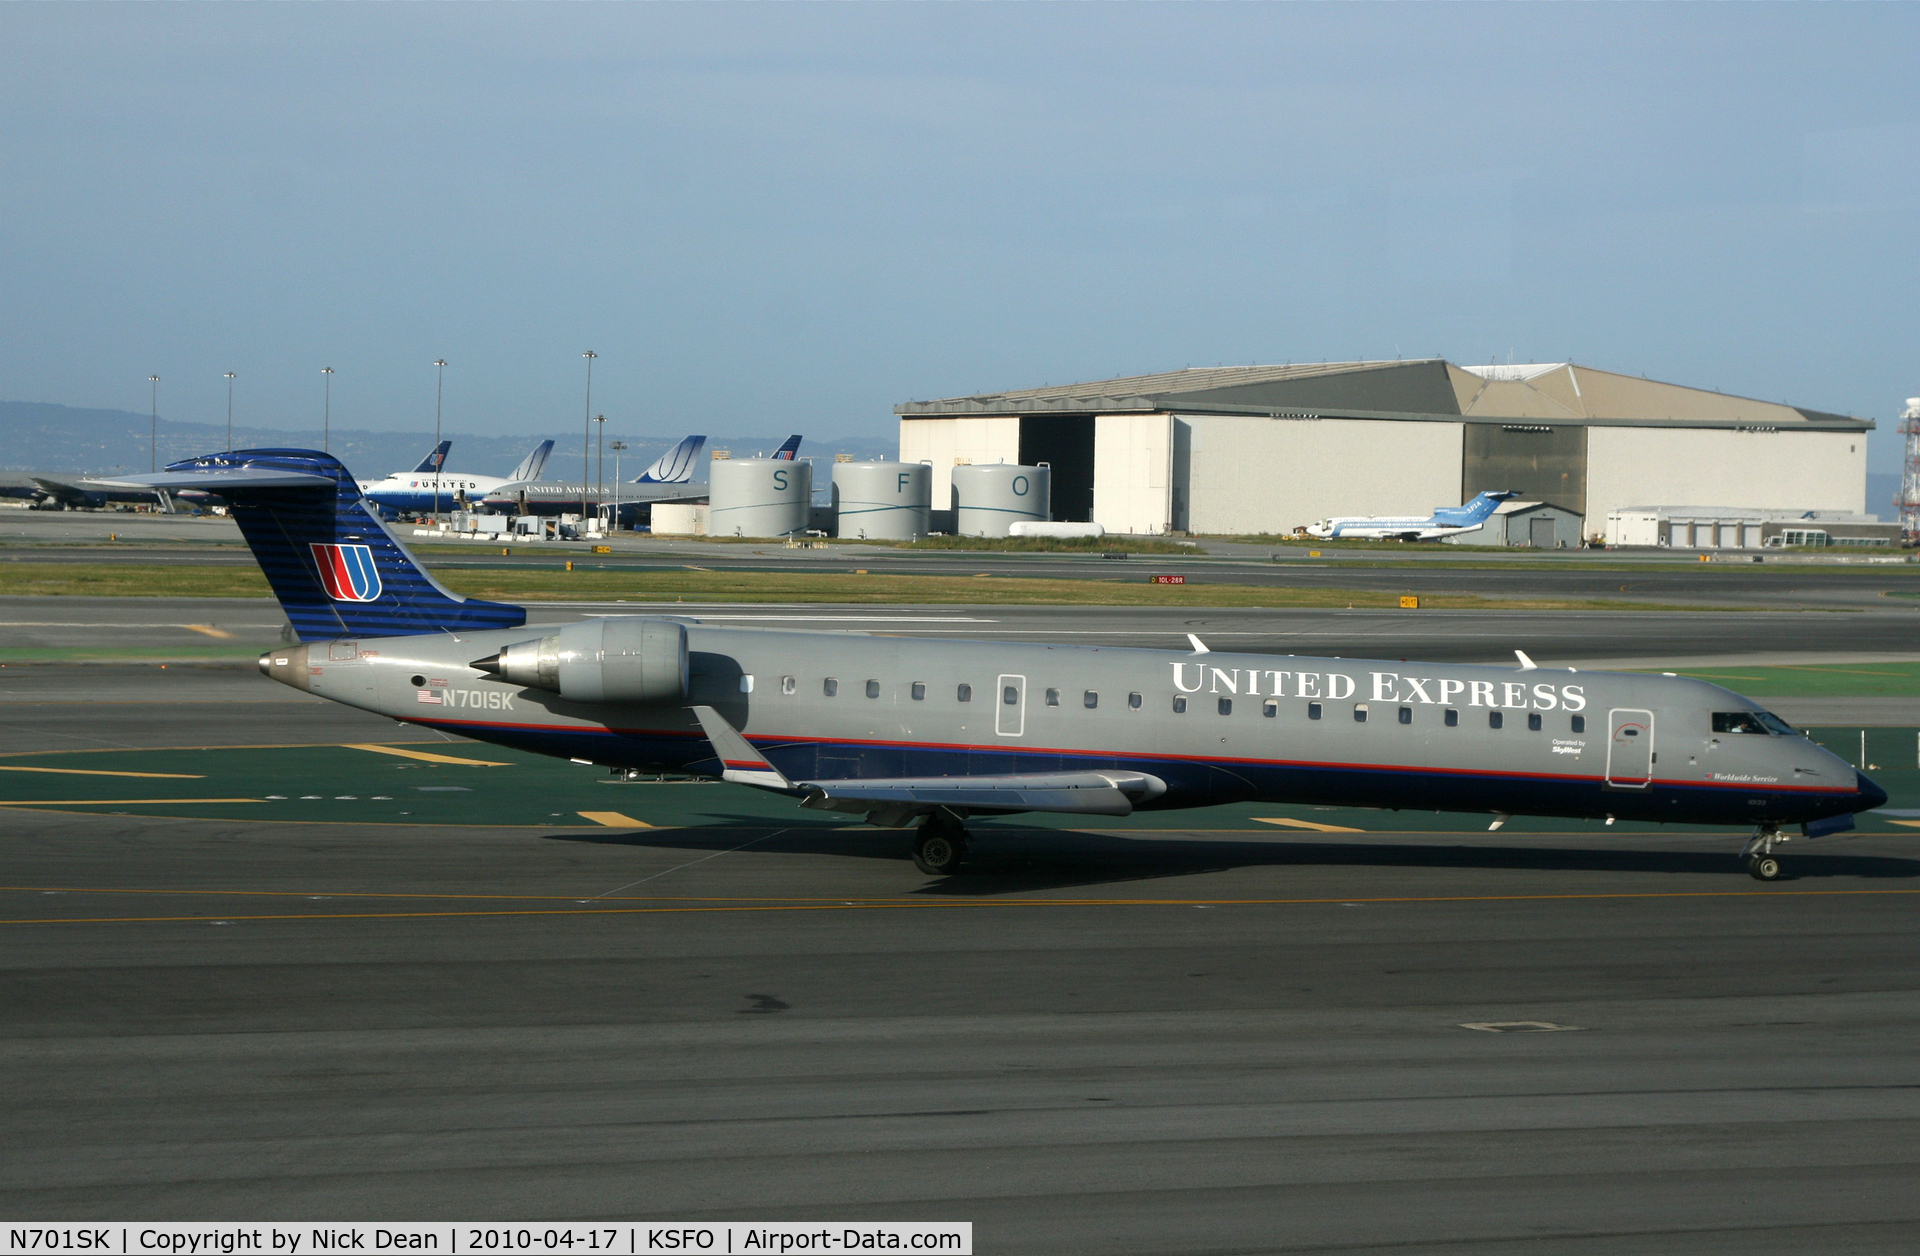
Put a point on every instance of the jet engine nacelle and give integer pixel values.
(601, 660)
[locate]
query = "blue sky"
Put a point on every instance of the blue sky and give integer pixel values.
(793, 217)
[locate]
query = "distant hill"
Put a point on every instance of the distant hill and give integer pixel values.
(66, 440)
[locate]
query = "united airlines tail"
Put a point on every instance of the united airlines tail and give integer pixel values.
(334, 566)
(676, 465)
(435, 460)
(787, 451)
(531, 465)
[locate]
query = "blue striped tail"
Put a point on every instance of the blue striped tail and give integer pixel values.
(333, 565)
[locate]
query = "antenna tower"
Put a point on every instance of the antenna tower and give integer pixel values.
(1908, 500)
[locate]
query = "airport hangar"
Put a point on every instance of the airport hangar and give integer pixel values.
(1266, 449)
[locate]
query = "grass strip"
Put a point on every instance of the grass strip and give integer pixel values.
(851, 588)
(1817, 680)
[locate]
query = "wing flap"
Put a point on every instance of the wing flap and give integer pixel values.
(1074, 793)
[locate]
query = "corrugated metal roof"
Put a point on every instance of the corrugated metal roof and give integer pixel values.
(1429, 388)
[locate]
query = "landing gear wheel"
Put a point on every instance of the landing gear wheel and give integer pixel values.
(939, 850)
(1764, 868)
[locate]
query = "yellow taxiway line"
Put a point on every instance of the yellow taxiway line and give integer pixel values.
(168, 776)
(423, 755)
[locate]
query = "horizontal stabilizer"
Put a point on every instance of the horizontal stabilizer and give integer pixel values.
(217, 479)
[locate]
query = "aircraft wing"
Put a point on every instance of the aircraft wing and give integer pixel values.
(894, 800)
(1079, 793)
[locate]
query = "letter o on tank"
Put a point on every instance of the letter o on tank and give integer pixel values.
(623, 659)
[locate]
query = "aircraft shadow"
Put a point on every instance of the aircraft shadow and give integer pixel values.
(1011, 859)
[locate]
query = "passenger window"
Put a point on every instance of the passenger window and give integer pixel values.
(830, 686)
(1053, 697)
(919, 691)
(1738, 722)
(1579, 723)
(1452, 719)
(1406, 715)
(788, 685)
(1133, 701)
(1359, 712)
(1270, 708)
(964, 693)
(1180, 704)
(746, 684)
(1226, 706)
(873, 689)
(1495, 719)
(1533, 722)
(1313, 710)
(1090, 699)
(1010, 695)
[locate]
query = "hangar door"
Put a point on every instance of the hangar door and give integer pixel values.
(1065, 442)
(1541, 462)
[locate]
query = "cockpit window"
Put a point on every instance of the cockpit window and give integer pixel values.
(1738, 722)
(1777, 725)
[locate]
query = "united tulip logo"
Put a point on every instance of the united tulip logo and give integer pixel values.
(347, 572)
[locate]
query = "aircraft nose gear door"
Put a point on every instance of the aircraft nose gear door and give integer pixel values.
(1629, 749)
(1010, 704)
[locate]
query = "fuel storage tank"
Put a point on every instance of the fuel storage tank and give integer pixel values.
(882, 501)
(991, 497)
(758, 497)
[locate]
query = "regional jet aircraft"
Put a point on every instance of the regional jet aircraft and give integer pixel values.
(907, 731)
(429, 487)
(1444, 521)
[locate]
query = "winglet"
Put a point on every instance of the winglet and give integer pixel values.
(740, 763)
(1526, 664)
(1199, 646)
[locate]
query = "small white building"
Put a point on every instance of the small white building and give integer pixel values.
(1538, 525)
(1732, 527)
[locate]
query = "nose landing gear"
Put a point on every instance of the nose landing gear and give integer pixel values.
(1762, 863)
(940, 847)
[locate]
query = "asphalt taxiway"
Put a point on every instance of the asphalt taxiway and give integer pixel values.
(1228, 1031)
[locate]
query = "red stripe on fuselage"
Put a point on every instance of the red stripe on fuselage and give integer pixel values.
(1493, 773)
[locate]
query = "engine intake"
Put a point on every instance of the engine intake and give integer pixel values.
(600, 660)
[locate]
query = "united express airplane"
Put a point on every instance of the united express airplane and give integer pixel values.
(934, 732)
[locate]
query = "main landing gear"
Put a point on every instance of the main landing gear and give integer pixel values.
(940, 847)
(1762, 863)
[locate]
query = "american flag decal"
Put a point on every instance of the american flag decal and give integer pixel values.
(429, 697)
(347, 572)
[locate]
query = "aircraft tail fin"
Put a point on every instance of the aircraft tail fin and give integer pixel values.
(436, 460)
(532, 465)
(1473, 512)
(789, 449)
(675, 466)
(334, 566)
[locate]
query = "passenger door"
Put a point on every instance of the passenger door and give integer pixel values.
(1629, 748)
(1010, 706)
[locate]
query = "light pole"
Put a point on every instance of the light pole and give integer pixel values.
(229, 411)
(617, 447)
(153, 387)
(600, 465)
(439, 389)
(586, 437)
(326, 414)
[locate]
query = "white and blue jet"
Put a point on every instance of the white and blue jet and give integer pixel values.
(1444, 521)
(430, 487)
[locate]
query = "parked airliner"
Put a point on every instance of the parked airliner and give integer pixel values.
(430, 487)
(904, 730)
(1444, 521)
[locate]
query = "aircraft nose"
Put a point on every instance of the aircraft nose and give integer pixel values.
(1867, 794)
